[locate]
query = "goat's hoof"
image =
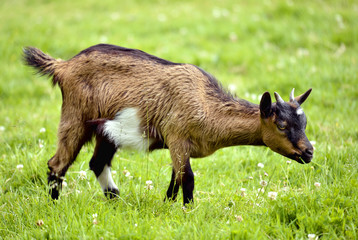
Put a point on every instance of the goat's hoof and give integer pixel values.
(54, 193)
(111, 193)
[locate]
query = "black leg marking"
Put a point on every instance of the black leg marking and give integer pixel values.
(102, 156)
(173, 188)
(188, 184)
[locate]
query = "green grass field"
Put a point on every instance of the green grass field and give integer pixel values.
(251, 47)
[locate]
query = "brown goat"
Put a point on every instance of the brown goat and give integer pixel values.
(130, 99)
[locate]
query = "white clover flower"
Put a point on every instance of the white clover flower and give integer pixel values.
(250, 178)
(233, 36)
(162, 18)
(313, 143)
(41, 143)
(40, 223)
(95, 221)
(103, 39)
(94, 215)
(20, 167)
(64, 184)
(340, 22)
(239, 218)
(2, 128)
(114, 172)
(254, 96)
(115, 16)
(243, 192)
(260, 165)
(232, 87)
(149, 184)
(272, 195)
(317, 184)
(83, 175)
(288, 161)
(42, 130)
(302, 52)
(126, 172)
(263, 183)
(216, 13)
(266, 174)
(312, 236)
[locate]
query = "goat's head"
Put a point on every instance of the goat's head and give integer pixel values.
(283, 126)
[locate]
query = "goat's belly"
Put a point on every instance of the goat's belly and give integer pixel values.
(125, 131)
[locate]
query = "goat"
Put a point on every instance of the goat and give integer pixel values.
(130, 99)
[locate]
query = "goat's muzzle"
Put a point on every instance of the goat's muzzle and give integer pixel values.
(303, 158)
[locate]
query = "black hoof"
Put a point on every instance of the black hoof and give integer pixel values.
(54, 184)
(54, 194)
(111, 193)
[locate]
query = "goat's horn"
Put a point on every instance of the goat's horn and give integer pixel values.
(292, 95)
(278, 98)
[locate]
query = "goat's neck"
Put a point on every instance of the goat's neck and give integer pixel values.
(238, 125)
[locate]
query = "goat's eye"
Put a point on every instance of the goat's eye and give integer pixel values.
(281, 126)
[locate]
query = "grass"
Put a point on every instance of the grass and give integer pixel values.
(252, 47)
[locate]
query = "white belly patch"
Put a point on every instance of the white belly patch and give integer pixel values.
(125, 131)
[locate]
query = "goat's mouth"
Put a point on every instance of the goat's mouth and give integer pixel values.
(303, 159)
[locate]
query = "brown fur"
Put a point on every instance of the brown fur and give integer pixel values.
(180, 105)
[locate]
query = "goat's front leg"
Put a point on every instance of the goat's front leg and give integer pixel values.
(182, 174)
(173, 189)
(188, 183)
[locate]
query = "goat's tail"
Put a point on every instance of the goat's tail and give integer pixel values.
(43, 63)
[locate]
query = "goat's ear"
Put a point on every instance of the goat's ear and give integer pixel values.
(300, 99)
(265, 105)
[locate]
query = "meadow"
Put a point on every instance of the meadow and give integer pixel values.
(251, 47)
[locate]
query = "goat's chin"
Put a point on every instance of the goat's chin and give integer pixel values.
(302, 159)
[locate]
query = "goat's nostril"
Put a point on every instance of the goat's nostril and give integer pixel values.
(309, 151)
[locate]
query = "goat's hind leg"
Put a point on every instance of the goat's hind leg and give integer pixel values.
(100, 164)
(71, 137)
